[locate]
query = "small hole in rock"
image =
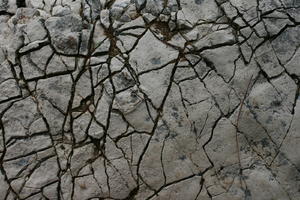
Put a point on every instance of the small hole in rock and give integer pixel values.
(21, 3)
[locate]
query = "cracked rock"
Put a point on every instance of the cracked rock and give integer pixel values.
(149, 99)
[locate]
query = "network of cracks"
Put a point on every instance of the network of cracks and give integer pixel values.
(150, 99)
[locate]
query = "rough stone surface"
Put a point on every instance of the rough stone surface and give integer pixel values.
(150, 99)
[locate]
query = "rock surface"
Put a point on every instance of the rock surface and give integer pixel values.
(150, 99)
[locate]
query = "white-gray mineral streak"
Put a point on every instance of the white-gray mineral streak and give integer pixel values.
(149, 100)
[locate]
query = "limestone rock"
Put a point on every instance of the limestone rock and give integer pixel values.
(149, 99)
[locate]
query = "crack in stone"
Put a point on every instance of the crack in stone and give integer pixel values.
(149, 99)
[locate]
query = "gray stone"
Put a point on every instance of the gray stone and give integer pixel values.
(149, 99)
(65, 33)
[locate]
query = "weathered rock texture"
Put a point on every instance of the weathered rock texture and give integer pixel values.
(150, 99)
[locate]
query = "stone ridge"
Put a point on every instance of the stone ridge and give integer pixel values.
(149, 99)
